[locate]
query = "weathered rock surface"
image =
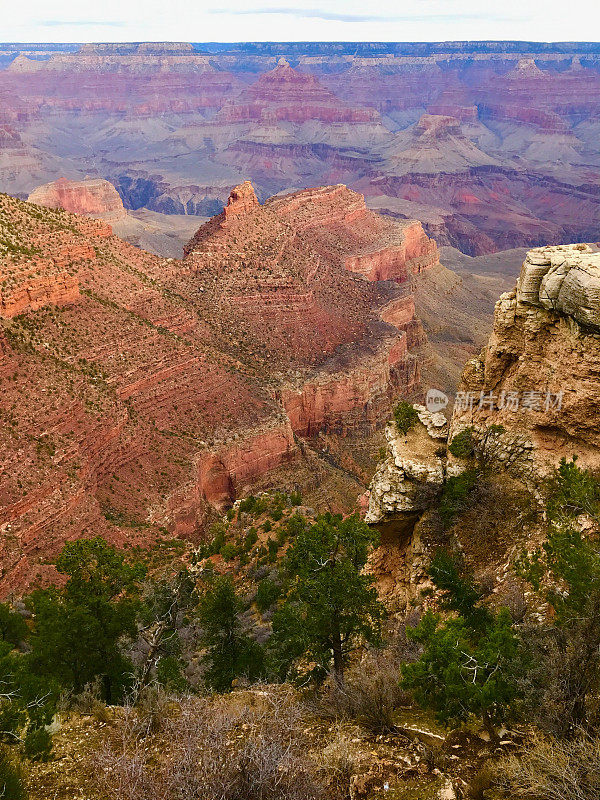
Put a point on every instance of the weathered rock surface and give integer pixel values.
(491, 149)
(539, 373)
(92, 197)
(414, 470)
(139, 392)
(565, 279)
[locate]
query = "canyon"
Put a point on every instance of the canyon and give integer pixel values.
(141, 395)
(491, 146)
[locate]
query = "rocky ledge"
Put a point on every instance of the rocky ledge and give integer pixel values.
(539, 374)
(565, 279)
(413, 470)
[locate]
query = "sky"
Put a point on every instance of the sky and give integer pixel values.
(297, 20)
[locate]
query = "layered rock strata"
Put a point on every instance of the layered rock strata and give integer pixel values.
(139, 392)
(539, 374)
(90, 197)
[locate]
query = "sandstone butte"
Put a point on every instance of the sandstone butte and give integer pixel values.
(287, 95)
(92, 197)
(140, 392)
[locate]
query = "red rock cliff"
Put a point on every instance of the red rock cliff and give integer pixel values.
(90, 197)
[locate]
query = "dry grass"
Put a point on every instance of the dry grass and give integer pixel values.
(212, 749)
(551, 769)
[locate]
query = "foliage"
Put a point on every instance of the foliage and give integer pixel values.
(405, 416)
(331, 606)
(228, 552)
(267, 593)
(231, 653)
(78, 629)
(456, 495)
(251, 539)
(27, 700)
(463, 444)
(489, 448)
(573, 491)
(566, 570)
(167, 607)
(12, 778)
(472, 661)
(13, 628)
(37, 744)
(371, 693)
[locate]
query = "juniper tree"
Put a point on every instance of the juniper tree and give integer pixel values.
(331, 605)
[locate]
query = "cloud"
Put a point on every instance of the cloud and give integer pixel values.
(83, 23)
(314, 13)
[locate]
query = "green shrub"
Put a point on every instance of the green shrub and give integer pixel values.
(248, 504)
(455, 497)
(573, 491)
(250, 539)
(170, 675)
(12, 779)
(405, 416)
(273, 547)
(294, 526)
(266, 594)
(231, 652)
(267, 526)
(228, 551)
(463, 445)
(37, 744)
(218, 532)
(296, 498)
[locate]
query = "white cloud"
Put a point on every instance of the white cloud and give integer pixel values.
(307, 20)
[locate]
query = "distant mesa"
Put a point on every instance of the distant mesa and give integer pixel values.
(138, 48)
(436, 125)
(286, 95)
(91, 197)
(526, 68)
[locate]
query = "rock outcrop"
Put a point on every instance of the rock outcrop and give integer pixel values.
(408, 480)
(92, 197)
(539, 374)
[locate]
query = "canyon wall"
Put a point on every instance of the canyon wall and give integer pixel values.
(491, 149)
(539, 375)
(140, 394)
(90, 197)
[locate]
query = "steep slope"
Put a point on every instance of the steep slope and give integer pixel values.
(539, 372)
(436, 143)
(98, 199)
(91, 198)
(138, 392)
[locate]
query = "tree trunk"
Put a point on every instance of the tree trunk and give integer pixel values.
(489, 726)
(338, 658)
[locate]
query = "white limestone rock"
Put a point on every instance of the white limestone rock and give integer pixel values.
(564, 279)
(413, 468)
